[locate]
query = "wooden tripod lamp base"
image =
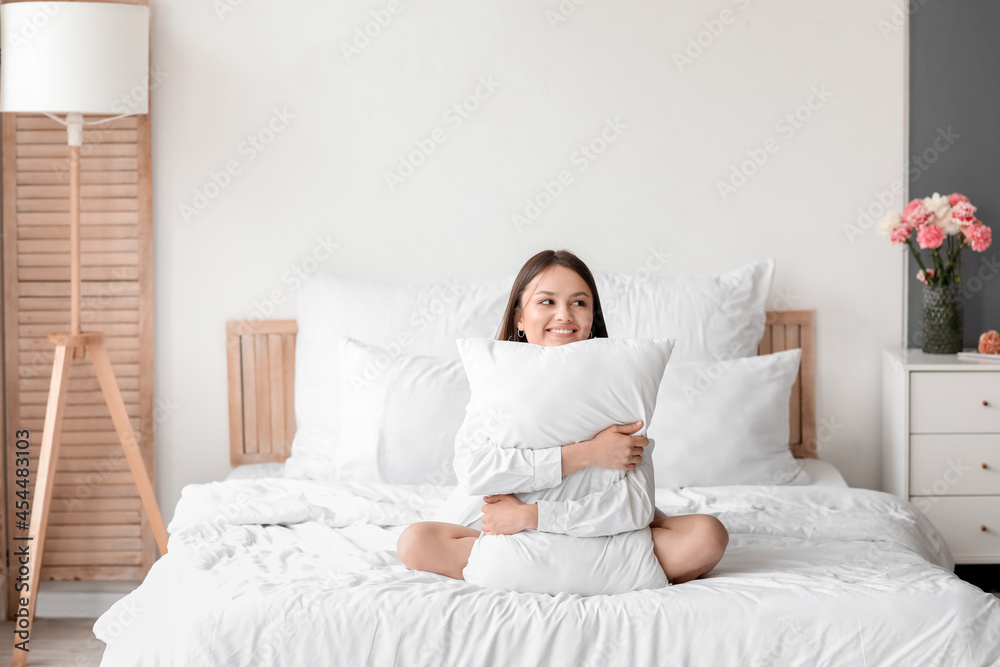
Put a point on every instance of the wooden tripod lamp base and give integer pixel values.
(68, 346)
(90, 60)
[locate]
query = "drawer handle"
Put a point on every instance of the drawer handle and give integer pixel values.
(986, 402)
(984, 465)
(982, 528)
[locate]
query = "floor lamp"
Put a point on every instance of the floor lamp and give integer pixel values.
(73, 58)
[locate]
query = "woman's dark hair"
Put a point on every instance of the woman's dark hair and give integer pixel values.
(534, 266)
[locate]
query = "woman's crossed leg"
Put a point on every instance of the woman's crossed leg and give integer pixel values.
(687, 546)
(436, 546)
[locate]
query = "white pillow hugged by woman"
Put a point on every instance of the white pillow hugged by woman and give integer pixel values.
(554, 302)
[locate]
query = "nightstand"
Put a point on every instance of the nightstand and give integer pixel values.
(941, 446)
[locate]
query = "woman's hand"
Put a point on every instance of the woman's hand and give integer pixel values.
(614, 449)
(506, 515)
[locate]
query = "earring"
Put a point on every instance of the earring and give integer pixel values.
(591, 334)
(520, 334)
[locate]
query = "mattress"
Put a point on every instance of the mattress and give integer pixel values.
(272, 571)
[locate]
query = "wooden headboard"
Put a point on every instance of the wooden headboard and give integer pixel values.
(261, 364)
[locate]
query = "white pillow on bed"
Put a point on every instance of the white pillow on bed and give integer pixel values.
(709, 317)
(528, 396)
(407, 319)
(726, 422)
(535, 562)
(401, 414)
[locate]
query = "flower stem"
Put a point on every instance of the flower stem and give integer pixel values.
(916, 256)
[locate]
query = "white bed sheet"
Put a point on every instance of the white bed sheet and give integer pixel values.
(274, 571)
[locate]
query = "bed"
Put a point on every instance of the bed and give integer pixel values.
(268, 569)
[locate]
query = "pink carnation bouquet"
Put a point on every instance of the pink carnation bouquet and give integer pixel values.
(938, 222)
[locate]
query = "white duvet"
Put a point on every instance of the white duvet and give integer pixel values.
(289, 572)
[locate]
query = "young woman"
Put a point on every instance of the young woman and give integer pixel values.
(554, 301)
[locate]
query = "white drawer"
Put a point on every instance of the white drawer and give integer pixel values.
(961, 520)
(942, 402)
(952, 465)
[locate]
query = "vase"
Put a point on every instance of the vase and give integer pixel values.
(942, 319)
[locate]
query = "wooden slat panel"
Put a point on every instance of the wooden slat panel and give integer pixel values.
(109, 330)
(31, 260)
(778, 338)
(52, 205)
(276, 390)
(234, 371)
(86, 233)
(82, 398)
(92, 464)
(76, 503)
(90, 164)
(76, 384)
(119, 344)
(95, 316)
(795, 399)
(78, 478)
(94, 573)
(99, 491)
(91, 135)
(92, 246)
(61, 305)
(110, 530)
(117, 286)
(41, 122)
(82, 411)
(88, 273)
(88, 219)
(61, 154)
(78, 424)
(810, 444)
(288, 340)
(263, 390)
(248, 359)
(96, 557)
(86, 178)
(92, 518)
(34, 362)
(90, 544)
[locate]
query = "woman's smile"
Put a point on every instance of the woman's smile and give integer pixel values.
(563, 332)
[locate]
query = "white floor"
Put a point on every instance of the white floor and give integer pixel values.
(80, 599)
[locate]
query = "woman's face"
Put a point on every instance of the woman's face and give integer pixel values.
(557, 308)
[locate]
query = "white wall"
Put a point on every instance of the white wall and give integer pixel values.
(321, 179)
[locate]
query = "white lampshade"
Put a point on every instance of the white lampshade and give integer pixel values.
(74, 57)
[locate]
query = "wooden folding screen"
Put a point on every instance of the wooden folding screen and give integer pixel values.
(97, 530)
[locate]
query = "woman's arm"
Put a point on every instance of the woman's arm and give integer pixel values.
(484, 468)
(628, 504)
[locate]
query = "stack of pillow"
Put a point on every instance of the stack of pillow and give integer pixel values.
(380, 389)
